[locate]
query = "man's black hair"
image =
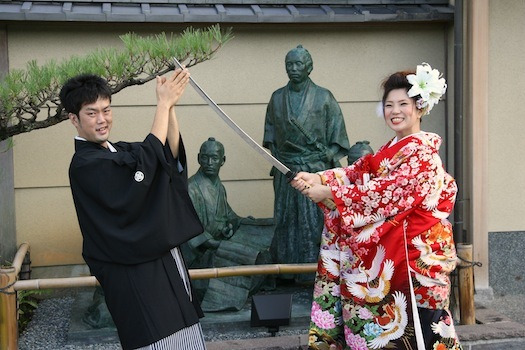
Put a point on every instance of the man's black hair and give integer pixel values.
(83, 89)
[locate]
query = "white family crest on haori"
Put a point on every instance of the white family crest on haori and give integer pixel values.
(139, 176)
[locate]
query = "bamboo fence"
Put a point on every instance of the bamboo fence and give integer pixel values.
(9, 285)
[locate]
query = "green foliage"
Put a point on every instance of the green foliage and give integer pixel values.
(27, 303)
(24, 94)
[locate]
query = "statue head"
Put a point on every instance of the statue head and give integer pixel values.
(211, 157)
(299, 64)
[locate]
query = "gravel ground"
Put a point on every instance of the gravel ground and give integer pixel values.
(48, 330)
(49, 326)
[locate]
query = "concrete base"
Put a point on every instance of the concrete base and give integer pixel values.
(79, 332)
(484, 295)
(217, 326)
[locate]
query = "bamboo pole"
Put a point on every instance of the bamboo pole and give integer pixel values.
(466, 284)
(56, 283)
(8, 311)
(246, 270)
(8, 303)
(249, 270)
(19, 256)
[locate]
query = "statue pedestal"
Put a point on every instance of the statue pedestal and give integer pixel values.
(250, 245)
(223, 325)
(79, 332)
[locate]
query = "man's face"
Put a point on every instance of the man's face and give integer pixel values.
(94, 121)
(296, 67)
(211, 158)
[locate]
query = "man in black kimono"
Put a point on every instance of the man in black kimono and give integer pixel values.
(134, 211)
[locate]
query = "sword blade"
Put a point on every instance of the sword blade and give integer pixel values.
(247, 138)
(237, 129)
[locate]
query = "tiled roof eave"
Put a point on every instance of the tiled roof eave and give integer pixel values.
(166, 11)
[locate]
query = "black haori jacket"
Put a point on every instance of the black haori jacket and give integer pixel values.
(133, 207)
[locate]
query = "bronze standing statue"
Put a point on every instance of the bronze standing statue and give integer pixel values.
(304, 129)
(228, 239)
(358, 150)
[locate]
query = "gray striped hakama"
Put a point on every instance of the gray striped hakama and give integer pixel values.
(189, 338)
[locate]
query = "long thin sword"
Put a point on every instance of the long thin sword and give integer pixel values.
(247, 138)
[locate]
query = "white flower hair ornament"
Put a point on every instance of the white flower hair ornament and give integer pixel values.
(428, 84)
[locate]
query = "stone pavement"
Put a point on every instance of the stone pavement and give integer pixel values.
(500, 325)
(494, 330)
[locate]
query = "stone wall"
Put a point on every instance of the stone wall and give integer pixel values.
(7, 192)
(506, 267)
(7, 204)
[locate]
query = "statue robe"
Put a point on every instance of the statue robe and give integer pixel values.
(211, 203)
(309, 136)
(248, 245)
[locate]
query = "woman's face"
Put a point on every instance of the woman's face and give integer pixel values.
(401, 114)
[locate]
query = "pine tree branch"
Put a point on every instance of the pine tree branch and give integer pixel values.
(29, 98)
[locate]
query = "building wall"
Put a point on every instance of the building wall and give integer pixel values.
(506, 121)
(349, 60)
(506, 187)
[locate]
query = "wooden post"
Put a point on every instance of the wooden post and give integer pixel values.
(478, 114)
(8, 311)
(466, 284)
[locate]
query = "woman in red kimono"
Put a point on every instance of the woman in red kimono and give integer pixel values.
(387, 250)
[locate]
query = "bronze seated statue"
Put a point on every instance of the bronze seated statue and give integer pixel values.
(227, 240)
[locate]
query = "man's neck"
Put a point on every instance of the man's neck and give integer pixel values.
(104, 144)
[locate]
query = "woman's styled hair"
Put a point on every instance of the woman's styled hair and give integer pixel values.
(425, 86)
(81, 90)
(397, 80)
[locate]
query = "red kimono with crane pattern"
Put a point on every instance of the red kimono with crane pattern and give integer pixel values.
(387, 252)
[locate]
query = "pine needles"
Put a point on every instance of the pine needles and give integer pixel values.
(29, 98)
